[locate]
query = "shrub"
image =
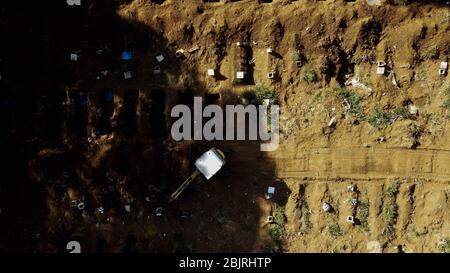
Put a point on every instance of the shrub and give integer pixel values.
(334, 230)
(352, 99)
(306, 214)
(378, 119)
(390, 210)
(402, 112)
(393, 189)
(262, 93)
(277, 228)
(447, 103)
(431, 53)
(444, 245)
(310, 76)
(363, 215)
(363, 57)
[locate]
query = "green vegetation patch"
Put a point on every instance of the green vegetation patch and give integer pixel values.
(264, 93)
(352, 99)
(277, 227)
(393, 189)
(444, 245)
(363, 215)
(334, 230)
(447, 103)
(306, 219)
(310, 76)
(390, 209)
(378, 118)
(430, 54)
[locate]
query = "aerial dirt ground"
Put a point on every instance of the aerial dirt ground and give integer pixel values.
(373, 146)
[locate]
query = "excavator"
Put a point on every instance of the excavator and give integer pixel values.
(208, 165)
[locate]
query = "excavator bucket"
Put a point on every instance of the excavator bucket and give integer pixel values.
(208, 164)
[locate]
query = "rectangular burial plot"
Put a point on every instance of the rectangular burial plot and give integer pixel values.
(243, 70)
(101, 112)
(126, 120)
(77, 115)
(6, 115)
(51, 113)
(157, 113)
(152, 118)
(144, 113)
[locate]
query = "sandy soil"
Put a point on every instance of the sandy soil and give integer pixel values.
(399, 171)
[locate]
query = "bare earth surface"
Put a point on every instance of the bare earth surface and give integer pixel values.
(399, 168)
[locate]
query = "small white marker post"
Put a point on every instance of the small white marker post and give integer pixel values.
(73, 57)
(160, 58)
(127, 75)
(240, 75)
(156, 70)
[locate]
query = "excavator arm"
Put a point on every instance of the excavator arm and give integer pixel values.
(184, 185)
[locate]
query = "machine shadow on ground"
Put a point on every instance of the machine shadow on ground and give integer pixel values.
(123, 180)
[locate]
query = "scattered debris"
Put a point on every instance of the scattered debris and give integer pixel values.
(394, 80)
(156, 70)
(381, 139)
(159, 211)
(350, 220)
(101, 210)
(413, 110)
(128, 208)
(443, 68)
(193, 49)
(356, 83)
(160, 58)
(354, 202)
(351, 188)
(185, 215)
(74, 57)
(127, 75)
(375, 2)
(211, 72)
(270, 192)
(332, 122)
(80, 206)
(126, 55)
(179, 53)
(374, 247)
(381, 68)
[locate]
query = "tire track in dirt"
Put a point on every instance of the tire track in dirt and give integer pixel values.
(362, 164)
